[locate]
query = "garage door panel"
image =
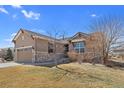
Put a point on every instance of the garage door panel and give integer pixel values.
(24, 55)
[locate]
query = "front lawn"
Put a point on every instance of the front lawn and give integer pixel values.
(66, 75)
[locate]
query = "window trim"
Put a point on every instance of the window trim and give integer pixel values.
(50, 49)
(78, 46)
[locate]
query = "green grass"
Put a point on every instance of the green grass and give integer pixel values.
(66, 75)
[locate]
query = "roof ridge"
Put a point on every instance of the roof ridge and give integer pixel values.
(37, 34)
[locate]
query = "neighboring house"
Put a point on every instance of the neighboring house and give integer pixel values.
(119, 52)
(35, 47)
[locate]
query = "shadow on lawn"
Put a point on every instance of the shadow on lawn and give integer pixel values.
(45, 64)
(77, 74)
(114, 64)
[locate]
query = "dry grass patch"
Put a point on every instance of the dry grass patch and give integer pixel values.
(66, 75)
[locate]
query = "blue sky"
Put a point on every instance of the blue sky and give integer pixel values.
(42, 19)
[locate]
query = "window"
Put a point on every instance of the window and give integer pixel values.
(50, 48)
(66, 48)
(79, 47)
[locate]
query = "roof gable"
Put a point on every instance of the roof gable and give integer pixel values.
(79, 35)
(38, 34)
(17, 35)
(35, 35)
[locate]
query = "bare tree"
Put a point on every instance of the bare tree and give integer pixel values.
(54, 35)
(106, 32)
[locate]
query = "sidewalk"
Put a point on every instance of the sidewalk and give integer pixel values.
(9, 64)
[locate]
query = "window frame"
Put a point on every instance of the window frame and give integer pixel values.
(50, 47)
(79, 46)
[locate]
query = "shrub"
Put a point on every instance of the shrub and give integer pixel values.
(9, 55)
(72, 56)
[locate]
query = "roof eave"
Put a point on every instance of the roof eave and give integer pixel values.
(15, 37)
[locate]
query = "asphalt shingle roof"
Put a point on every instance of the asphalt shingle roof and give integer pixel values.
(37, 34)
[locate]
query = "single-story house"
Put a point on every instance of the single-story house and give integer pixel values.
(32, 47)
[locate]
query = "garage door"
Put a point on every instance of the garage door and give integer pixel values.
(24, 55)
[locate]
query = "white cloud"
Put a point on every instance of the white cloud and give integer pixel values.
(31, 14)
(13, 34)
(3, 10)
(11, 37)
(16, 6)
(14, 16)
(93, 15)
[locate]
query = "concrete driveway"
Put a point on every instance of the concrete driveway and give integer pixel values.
(9, 64)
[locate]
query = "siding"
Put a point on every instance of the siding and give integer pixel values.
(28, 41)
(41, 45)
(59, 48)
